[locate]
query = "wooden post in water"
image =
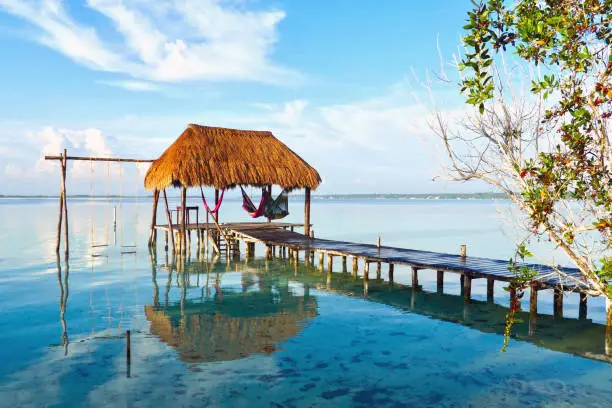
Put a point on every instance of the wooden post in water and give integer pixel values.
(330, 263)
(128, 351)
(321, 255)
(355, 266)
(467, 289)
(366, 270)
(582, 306)
(343, 263)
(296, 254)
(169, 219)
(415, 278)
(533, 309)
(64, 166)
(378, 271)
(307, 211)
(462, 284)
(440, 282)
(558, 303)
(490, 289)
(391, 267)
(61, 206)
(153, 232)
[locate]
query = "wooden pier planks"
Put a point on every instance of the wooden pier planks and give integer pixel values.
(475, 267)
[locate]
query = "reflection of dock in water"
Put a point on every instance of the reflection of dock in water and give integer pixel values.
(252, 323)
(232, 324)
(581, 337)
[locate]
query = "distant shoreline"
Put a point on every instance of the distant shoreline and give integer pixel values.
(395, 196)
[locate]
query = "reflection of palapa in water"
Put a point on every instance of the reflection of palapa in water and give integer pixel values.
(232, 326)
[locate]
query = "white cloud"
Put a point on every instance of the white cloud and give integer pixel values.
(182, 40)
(136, 86)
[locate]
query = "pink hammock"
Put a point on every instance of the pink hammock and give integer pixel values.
(249, 207)
(216, 209)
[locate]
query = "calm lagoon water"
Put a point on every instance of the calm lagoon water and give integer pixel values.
(272, 334)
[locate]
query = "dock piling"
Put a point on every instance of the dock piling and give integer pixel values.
(490, 289)
(582, 306)
(467, 289)
(558, 303)
(440, 282)
(391, 267)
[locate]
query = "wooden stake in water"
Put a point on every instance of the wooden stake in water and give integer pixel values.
(128, 352)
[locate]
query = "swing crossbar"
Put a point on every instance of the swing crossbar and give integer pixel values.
(103, 159)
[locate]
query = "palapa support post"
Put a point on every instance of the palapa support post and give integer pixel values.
(153, 232)
(440, 282)
(582, 306)
(296, 255)
(355, 266)
(307, 211)
(268, 252)
(169, 219)
(391, 268)
(467, 289)
(366, 270)
(558, 303)
(184, 221)
(378, 270)
(330, 263)
(216, 215)
(321, 255)
(343, 263)
(490, 289)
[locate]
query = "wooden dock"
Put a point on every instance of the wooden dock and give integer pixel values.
(281, 239)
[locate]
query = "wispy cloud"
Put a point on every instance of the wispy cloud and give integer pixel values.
(136, 86)
(182, 40)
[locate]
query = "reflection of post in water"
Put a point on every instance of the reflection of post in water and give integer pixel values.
(153, 260)
(64, 291)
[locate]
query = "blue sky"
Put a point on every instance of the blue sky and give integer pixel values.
(335, 80)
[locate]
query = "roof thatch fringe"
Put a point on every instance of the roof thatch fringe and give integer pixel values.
(224, 158)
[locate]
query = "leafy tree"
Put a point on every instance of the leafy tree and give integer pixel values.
(549, 149)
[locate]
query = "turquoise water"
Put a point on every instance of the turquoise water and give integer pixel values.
(234, 333)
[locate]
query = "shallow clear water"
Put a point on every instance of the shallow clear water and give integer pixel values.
(257, 333)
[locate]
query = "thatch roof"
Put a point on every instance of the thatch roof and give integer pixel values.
(221, 158)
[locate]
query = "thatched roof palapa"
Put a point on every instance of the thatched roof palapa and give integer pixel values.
(224, 158)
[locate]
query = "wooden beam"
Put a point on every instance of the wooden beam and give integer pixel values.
(102, 159)
(307, 211)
